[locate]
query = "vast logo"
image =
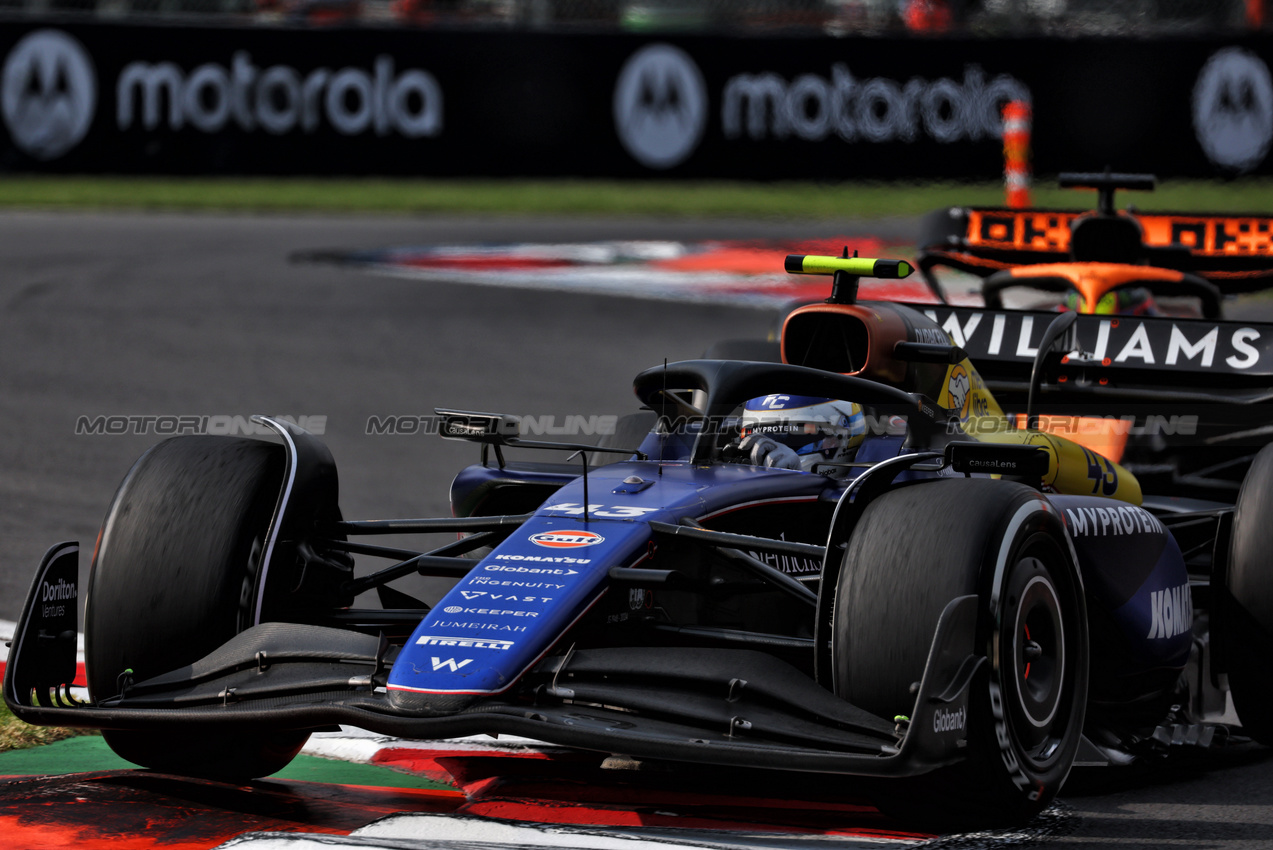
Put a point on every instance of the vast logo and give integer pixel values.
(279, 100)
(48, 93)
(1233, 109)
(660, 106)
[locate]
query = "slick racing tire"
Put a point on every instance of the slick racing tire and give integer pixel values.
(915, 549)
(172, 579)
(1245, 616)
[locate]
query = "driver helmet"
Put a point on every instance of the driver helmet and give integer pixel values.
(818, 430)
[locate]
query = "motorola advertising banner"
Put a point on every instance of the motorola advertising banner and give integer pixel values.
(103, 98)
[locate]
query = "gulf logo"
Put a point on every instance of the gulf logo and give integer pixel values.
(566, 539)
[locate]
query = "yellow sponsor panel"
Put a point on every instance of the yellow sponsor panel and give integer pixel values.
(1072, 469)
(966, 393)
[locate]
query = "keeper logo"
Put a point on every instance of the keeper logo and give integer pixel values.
(660, 106)
(48, 94)
(1233, 109)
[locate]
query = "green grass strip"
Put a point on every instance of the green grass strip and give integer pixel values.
(90, 754)
(662, 198)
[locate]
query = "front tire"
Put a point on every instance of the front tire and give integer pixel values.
(172, 579)
(1245, 620)
(915, 549)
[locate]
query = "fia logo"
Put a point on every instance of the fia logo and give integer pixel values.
(48, 93)
(1233, 109)
(660, 106)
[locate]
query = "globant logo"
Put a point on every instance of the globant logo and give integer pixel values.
(279, 99)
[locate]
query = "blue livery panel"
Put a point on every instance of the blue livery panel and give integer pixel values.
(511, 608)
(1133, 568)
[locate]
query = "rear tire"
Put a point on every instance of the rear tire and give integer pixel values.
(172, 579)
(1245, 621)
(914, 550)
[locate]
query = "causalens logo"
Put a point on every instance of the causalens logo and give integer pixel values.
(279, 99)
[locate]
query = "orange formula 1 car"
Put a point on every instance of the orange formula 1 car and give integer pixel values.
(1105, 260)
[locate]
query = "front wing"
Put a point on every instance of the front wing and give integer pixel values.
(711, 706)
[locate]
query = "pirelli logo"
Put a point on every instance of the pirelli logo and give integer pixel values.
(1050, 231)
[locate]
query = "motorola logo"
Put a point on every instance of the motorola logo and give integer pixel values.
(48, 93)
(1233, 109)
(660, 106)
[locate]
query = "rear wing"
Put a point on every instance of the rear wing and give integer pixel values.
(1120, 357)
(1233, 251)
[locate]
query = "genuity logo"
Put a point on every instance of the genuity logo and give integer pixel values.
(660, 106)
(48, 93)
(279, 100)
(1233, 109)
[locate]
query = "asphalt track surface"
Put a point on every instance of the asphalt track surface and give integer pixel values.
(149, 315)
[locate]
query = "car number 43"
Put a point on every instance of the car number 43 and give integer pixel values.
(607, 511)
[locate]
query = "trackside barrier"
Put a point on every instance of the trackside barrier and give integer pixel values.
(85, 97)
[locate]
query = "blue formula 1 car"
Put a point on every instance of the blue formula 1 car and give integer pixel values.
(852, 562)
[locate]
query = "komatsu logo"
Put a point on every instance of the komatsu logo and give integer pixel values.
(279, 99)
(1171, 612)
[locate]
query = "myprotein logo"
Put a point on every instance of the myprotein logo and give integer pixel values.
(48, 94)
(660, 106)
(1233, 109)
(279, 99)
(872, 109)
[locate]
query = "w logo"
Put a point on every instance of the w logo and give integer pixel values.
(449, 663)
